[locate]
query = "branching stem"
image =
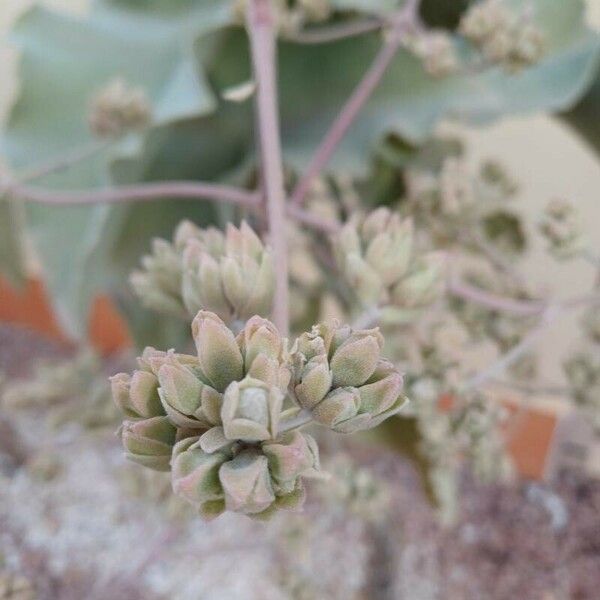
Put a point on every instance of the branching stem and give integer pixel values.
(356, 102)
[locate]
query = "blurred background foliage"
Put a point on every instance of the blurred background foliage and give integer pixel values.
(185, 55)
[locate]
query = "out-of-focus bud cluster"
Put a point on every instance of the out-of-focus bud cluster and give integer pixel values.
(453, 204)
(583, 374)
(217, 420)
(118, 108)
(467, 428)
(70, 389)
(356, 489)
(340, 377)
(229, 274)
(435, 49)
(14, 586)
(292, 16)
(503, 36)
(377, 257)
(560, 226)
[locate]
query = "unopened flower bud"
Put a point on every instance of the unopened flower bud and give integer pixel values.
(251, 410)
(423, 285)
(355, 359)
(561, 228)
(137, 395)
(483, 19)
(436, 51)
(195, 473)
(265, 352)
(189, 402)
(149, 442)
(247, 483)
(219, 357)
(339, 410)
(294, 455)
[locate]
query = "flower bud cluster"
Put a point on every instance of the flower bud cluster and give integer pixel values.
(117, 109)
(503, 37)
(561, 228)
(340, 377)
(229, 274)
(216, 420)
(376, 256)
(436, 51)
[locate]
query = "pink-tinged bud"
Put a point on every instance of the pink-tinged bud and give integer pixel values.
(382, 390)
(195, 473)
(294, 455)
(314, 382)
(354, 361)
(246, 483)
(149, 442)
(338, 407)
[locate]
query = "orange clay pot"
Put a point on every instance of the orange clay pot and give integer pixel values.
(31, 307)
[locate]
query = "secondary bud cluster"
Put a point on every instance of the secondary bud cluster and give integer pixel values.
(219, 421)
(377, 258)
(560, 226)
(340, 377)
(229, 274)
(503, 37)
(119, 108)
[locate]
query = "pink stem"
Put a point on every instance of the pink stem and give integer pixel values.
(190, 190)
(262, 43)
(493, 301)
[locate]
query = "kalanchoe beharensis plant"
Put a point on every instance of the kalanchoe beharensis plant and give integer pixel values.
(426, 248)
(226, 421)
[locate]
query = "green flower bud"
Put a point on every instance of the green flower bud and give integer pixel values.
(265, 353)
(214, 440)
(188, 401)
(315, 382)
(219, 357)
(294, 455)
(339, 410)
(423, 285)
(355, 359)
(246, 483)
(195, 473)
(137, 395)
(382, 390)
(149, 442)
(202, 287)
(251, 410)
